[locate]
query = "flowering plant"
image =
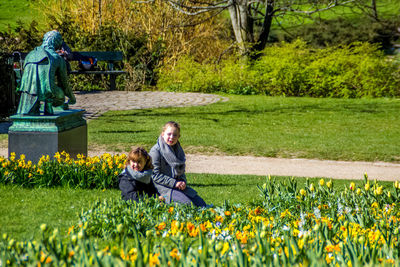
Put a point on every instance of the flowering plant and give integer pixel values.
(314, 224)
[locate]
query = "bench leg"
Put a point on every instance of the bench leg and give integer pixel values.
(112, 82)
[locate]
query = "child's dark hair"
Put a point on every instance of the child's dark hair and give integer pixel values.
(138, 153)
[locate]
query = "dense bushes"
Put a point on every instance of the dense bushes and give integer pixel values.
(356, 70)
(23, 38)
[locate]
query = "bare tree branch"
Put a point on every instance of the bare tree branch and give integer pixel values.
(197, 23)
(145, 2)
(202, 9)
(255, 2)
(208, 3)
(225, 51)
(245, 13)
(305, 12)
(218, 5)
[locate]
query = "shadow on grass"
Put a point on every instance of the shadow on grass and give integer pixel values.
(208, 185)
(355, 108)
(123, 131)
(223, 185)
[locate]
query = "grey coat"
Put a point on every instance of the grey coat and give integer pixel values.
(162, 176)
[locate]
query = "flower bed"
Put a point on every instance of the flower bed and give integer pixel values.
(291, 225)
(62, 170)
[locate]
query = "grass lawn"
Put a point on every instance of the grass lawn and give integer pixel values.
(24, 210)
(385, 8)
(13, 10)
(335, 129)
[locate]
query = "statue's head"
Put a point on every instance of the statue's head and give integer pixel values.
(52, 40)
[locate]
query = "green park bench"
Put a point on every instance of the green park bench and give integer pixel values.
(111, 57)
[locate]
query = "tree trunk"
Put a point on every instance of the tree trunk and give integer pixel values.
(241, 24)
(374, 10)
(266, 27)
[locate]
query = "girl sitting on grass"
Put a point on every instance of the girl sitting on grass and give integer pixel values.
(169, 168)
(135, 180)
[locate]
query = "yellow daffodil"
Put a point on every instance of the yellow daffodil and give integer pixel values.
(352, 186)
(303, 192)
(358, 191)
(379, 190)
(154, 260)
(312, 187)
(367, 186)
(225, 248)
(161, 226)
(175, 254)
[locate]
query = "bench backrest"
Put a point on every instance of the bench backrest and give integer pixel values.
(99, 55)
(104, 55)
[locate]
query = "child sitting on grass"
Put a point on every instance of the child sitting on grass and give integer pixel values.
(169, 168)
(135, 180)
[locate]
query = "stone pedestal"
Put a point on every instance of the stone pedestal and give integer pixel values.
(35, 136)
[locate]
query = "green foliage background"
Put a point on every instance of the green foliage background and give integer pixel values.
(293, 69)
(280, 71)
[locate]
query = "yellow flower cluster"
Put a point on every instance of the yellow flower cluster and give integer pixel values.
(270, 228)
(98, 168)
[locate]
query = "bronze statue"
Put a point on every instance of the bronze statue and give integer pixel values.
(45, 78)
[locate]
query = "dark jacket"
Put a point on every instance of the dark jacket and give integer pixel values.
(132, 189)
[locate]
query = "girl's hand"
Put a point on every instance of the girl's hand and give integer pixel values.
(181, 185)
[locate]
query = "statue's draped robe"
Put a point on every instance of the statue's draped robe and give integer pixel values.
(44, 71)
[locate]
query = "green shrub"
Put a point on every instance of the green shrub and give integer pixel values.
(357, 70)
(24, 38)
(295, 69)
(231, 76)
(189, 75)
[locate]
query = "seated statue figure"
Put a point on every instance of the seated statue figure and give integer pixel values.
(45, 79)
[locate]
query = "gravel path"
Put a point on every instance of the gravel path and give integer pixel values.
(96, 103)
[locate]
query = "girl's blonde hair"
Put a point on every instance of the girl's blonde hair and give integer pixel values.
(171, 124)
(138, 153)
